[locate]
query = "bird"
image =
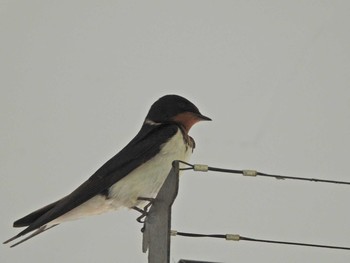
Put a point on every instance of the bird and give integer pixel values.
(132, 176)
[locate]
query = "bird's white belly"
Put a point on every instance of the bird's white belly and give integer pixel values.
(144, 181)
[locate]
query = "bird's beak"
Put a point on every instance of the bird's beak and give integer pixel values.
(203, 118)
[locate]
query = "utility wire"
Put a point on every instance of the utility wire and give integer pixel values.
(235, 237)
(205, 168)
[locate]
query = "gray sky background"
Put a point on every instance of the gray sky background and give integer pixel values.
(78, 77)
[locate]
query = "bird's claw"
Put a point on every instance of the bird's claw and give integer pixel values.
(144, 211)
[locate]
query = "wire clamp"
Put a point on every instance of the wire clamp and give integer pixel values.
(233, 237)
(201, 167)
(250, 172)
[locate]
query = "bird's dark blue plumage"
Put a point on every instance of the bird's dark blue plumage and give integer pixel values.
(161, 124)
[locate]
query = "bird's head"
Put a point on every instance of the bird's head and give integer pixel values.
(175, 109)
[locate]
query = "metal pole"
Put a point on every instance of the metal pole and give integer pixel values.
(156, 235)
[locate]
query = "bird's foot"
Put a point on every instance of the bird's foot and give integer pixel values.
(144, 210)
(142, 216)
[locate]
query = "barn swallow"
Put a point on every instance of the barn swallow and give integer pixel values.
(136, 172)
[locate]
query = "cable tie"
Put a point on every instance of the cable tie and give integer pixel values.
(233, 237)
(201, 167)
(173, 233)
(250, 172)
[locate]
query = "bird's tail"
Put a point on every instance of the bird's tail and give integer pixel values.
(28, 220)
(37, 232)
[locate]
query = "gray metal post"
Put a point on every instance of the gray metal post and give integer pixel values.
(156, 235)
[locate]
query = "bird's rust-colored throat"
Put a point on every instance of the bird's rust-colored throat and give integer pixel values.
(187, 120)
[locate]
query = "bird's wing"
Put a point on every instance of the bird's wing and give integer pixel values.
(142, 148)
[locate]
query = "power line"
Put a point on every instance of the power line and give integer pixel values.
(236, 237)
(205, 168)
(157, 225)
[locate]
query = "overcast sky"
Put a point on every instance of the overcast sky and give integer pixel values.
(78, 77)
